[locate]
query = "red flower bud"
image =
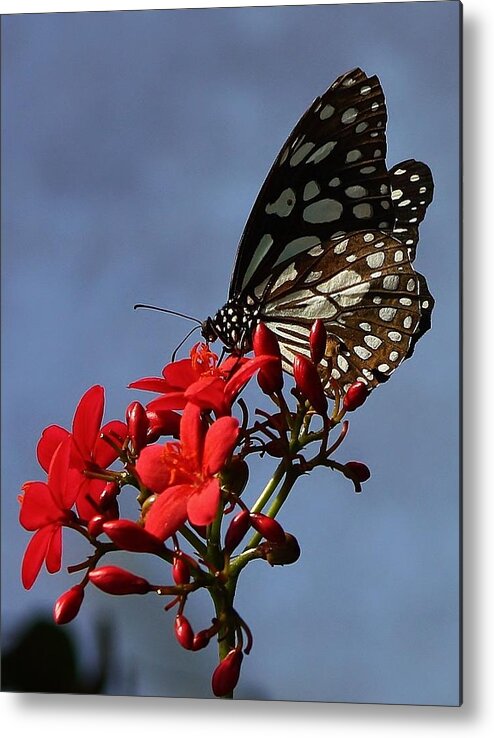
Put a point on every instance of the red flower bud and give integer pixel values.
(138, 424)
(355, 396)
(184, 632)
(358, 471)
(235, 476)
(130, 536)
(201, 640)
(264, 342)
(95, 525)
(226, 674)
(109, 495)
(180, 571)
(309, 383)
(68, 605)
(317, 340)
(267, 527)
(162, 423)
(237, 530)
(117, 581)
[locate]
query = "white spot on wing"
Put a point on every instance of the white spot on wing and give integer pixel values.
(260, 252)
(387, 313)
(301, 153)
(326, 112)
(375, 260)
(321, 153)
(323, 211)
(311, 189)
(373, 341)
(284, 205)
(349, 116)
(363, 210)
(356, 191)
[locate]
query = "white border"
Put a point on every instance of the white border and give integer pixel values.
(79, 716)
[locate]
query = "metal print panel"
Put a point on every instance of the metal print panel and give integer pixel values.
(263, 503)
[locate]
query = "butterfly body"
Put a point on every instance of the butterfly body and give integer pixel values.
(332, 235)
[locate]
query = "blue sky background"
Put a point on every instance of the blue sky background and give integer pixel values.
(134, 145)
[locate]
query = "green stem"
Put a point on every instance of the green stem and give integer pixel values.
(269, 488)
(194, 540)
(291, 477)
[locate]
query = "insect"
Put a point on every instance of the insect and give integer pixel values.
(332, 235)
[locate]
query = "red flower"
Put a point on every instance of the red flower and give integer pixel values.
(183, 474)
(202, 381)
(46, 508)
(89, 449)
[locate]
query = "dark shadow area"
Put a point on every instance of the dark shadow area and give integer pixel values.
(44, 658)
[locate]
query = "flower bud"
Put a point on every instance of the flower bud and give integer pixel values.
(235, 476)
(201, 640)
(357, 470)
(138, 424)
(267, 527)
(117, 581)
(309, 383)
(68, 605)
(317, 339)
(162, 423)
(183, 632)
(109, 495)
(279, 554)
(355, 396)
(130, 536)
(95, 525)
(237, 530)
(226, 674)
(264, 342)
(180, 571)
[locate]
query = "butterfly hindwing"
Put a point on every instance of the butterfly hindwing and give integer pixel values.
(329, 179)
(365, 289)
(412, 189)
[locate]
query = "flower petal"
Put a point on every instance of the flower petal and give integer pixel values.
(104, 454)
(87, 419)
(208, 393)
(192, 433)
(169, 511)
(179, 374)
(220, 442)
(38, 508)
(152, 469)
(88, 496)
(151, 384)
(54, 551)
(203, 506)
(240, 378)
(58, 475)
(171, 401)
(35, 555)
(50, 440)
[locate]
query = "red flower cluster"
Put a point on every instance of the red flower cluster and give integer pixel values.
(195, 476)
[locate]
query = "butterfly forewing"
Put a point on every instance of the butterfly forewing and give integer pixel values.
(373, 303)
(329, 179)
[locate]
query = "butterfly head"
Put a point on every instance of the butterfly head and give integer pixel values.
(233, 325)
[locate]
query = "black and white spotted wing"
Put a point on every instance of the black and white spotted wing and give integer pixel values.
(412, 189)
(365, 289)
(329, 179)
(332, 235)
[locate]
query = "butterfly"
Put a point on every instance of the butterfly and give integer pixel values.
(332, 236)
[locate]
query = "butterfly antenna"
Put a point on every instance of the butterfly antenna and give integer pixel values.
(195, 328)
(170, 312)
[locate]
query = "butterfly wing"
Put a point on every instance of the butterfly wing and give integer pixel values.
(329, 179)
(374, 305)
(412, 190)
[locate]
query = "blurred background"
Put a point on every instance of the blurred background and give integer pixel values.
(134, 144)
